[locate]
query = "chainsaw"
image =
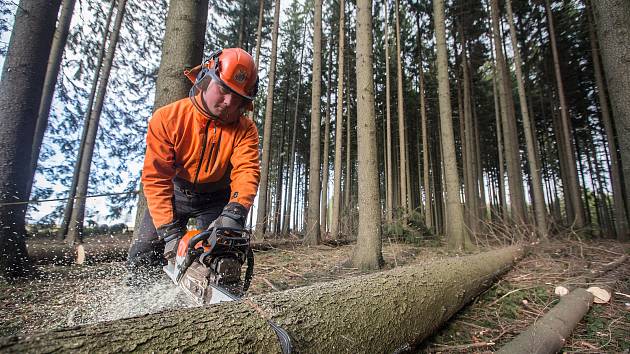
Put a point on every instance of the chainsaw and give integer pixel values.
(207, 265)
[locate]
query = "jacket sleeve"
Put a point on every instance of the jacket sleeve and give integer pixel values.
(245, 174)
(159, 170)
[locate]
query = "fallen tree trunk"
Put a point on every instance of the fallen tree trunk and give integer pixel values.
(60, 253)
(378, 312)
(549, 333)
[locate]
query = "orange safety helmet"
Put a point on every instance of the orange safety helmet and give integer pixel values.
(234, 68)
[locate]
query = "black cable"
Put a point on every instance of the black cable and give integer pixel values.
(36, 201)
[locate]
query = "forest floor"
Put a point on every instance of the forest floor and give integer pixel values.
(72, 295)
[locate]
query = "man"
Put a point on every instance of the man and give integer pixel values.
(201, 159)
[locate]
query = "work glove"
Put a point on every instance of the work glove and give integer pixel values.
(232, 216)
(171, 233)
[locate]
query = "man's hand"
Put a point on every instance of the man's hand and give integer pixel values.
(171, 233)
(233, 216)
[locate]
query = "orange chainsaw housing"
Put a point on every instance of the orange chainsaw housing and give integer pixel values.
(182, 248)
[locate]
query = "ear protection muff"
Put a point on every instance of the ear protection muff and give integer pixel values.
(205, 67)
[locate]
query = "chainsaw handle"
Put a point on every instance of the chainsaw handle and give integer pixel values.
(202, 236)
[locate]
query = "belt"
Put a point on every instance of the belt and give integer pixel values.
(206, 189)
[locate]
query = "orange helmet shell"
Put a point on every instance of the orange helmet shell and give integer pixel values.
(235, 68)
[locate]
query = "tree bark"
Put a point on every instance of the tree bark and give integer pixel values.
(335, 223)
(375, 313)
(280, 154)
(261, 215)
(540, 210)
(75, 228)
(426, 177)
(347, 190)
(402, 130)
(508, 120)
(67, 212)
(389, 210)
(261, 17)
(324, 201)
(613, 31)
(182, 48)
(312, 235)
(23, 75)
(285, 224)
(367, 252)
(569, 147)
(549, 333)
(455, 229)
(93, 250)
(470, 176)
(241, 24)
(48, 90)
(501, 168)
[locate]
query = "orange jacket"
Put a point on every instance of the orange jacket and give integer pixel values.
(183, 143)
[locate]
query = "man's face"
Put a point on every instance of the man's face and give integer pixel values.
(222, 102)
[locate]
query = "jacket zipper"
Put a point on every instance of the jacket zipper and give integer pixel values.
(203, 150)
(212, 148)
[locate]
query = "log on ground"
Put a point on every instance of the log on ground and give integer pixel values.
(60, 253)
(378, 312)
(549, 333)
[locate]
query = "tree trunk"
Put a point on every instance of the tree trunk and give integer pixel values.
(335, 223)
(241, 24)
(348, 150)
(613, 31)
(75, 228)
(182, 48)
(261, 17)
(508, 120)
(287, 212)
(540, 210)
(569, 147)
(324, 201)
(501, 168)
(367, 253)
(23, 75)
(277, 202)
(261, 215)
(437, 185)
(426, 177)
(389, 210)
(334, 317)
(96, 249)
(471, 190)
(402, 130)
(455, 229)
(549, 333)
(67, 212)
(312, 235)
(48, 90)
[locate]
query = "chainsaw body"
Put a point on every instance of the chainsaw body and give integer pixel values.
(207, 265)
